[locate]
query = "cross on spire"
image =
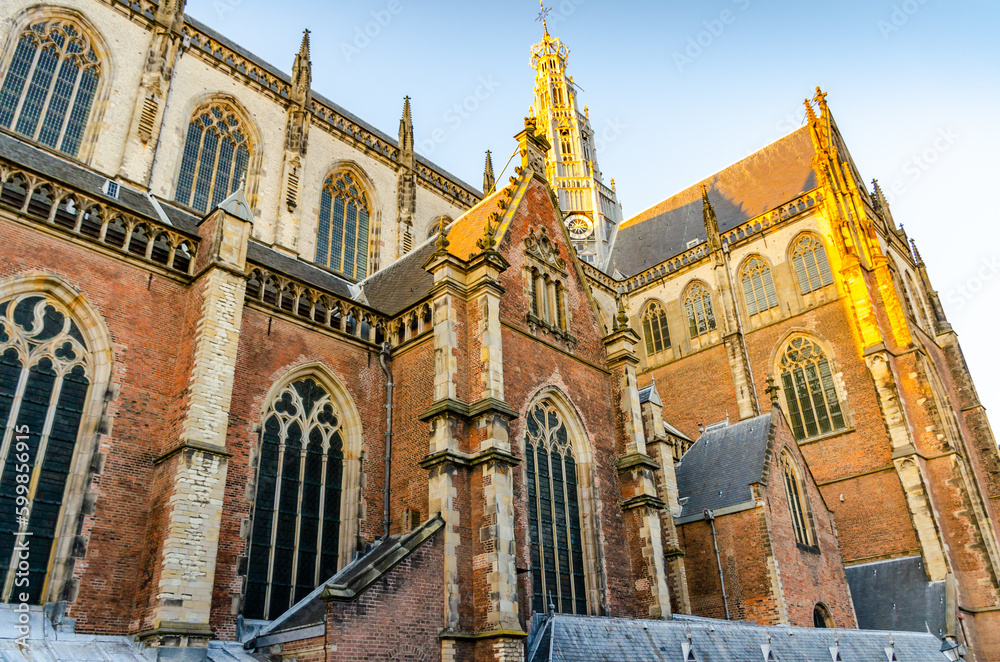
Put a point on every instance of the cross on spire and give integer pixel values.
(543, 12)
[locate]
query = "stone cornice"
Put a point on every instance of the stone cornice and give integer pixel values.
(193, 446)
(632, 460)
(644, 501)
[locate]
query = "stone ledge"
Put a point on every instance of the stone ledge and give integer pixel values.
(478, 636)
(644, 501)
(632, 460)
(446, 457)
(465, 410)
(195, 446)
(494, 455)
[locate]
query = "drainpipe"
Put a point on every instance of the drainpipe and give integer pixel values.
(710, 516)
(383, 359)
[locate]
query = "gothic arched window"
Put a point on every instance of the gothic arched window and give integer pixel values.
(45, 376)
(809, 390)
(654, 329)
(557, 571)
(758, 286)
(797, 504)
(294, 544)
(216, 156)
(822, 618)
(698, 304)
(343, 226)
(811, 265)
(50, 85)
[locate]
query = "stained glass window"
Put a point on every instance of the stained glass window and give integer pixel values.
(294, 543)
(45, 376)
(557, 573)
(215, 158)
(698, 304)
(811, 265)
(796, 500)
(654, 328)
(342, 241)
(758, 286)
(50, 85)
(809, 390)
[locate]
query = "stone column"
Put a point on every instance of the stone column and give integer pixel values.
(636, 470)
(193, 470)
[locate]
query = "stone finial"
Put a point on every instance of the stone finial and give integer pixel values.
(488, 241)
(442, 238)
(301, 91)
(621, 319)
(489, 181)
(810, 111)
(820, 99)
(406, 134)
(533, 148)
(711, 222)
(772, 390)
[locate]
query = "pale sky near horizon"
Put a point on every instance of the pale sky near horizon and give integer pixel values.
(680, 90)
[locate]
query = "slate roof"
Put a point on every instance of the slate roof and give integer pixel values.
(304, 271)
(566, 638)
(895, 595)
(763, 181)
(75, 176)
(403, 283)
(716, 472)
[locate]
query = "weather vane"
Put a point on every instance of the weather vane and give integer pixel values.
(544, 11)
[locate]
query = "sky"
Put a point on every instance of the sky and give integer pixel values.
(680, 90)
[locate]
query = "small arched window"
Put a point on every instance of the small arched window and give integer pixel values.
(822, 618)
(343, 226)
(50, 85)
(797, 504)
(294, 544)
(810, 394)
(811, 265)
(654, 329)
(216, 155)
(698, 304)
(758, 286)
(557, 572)
(45, 377)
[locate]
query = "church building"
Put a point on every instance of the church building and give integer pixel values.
(273, 386)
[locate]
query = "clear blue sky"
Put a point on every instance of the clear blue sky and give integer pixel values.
(683, 89)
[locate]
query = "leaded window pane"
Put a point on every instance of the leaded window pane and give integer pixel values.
(342, 234)
(50, 84)
(215, 158)
(554, 525)
(698, 304)
(811, 265)
(654, 327)
(810, 393)
(44, 384)
(295, 536)
(796, 501)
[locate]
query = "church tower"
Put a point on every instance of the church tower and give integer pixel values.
(591, 209)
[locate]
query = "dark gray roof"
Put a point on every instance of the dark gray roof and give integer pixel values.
(895, 595)
(72, 174)
(298, 269)
(350, 582)
(565, 638)
(718, 469)
(401, 284)
(281, 75)
(763, 181)
(650, 394)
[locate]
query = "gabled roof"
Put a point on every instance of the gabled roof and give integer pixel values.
(717, 471)
(304, 271)
(566, 638)
(403, 283)
(763, 181)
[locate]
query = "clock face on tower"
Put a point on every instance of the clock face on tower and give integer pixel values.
(580, 227)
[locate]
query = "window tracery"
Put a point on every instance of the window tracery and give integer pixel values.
(810, 394)
(343, 226)
(758, 286)
(216, 155)
(812, 268)
(698, 304)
